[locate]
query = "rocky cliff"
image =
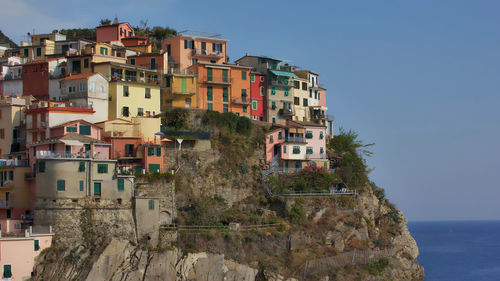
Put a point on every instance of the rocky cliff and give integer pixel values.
(221, 223)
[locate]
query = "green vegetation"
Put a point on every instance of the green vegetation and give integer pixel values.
(228, 122)
(78, 33)
(5, 40)
(378, 267)
(155, 34)
(305, 180)
(206, 210)
(175, 119)
(352, 167)
(297, 214)
(156, 176)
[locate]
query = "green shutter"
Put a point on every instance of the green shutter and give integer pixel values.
(41, 166)
(7, 273)
(151, 204)
(81, 167)
(85, 130)
(38, 52)
(262, 91)
(138, 169)
(71, 129)
(244, 109)
(273, 90)
(81, 185)
(225, 95)
(209, 74)
(184, 85)
(97, 188)
(210, 106)
(61, 185)
(37, 245)
(224, 75)
(252, 77)
(150, 151)
(286, 92)
(102, 168)
(243, 75)
(121, 184)
(154, 168)
(284, 149)
(254, 105)
(26, 52)
(158, 151)
(210, 96)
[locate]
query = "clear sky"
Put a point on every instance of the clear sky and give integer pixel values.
(418, 78)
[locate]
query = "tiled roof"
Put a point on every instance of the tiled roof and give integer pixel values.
(71, 136)
(78, 76)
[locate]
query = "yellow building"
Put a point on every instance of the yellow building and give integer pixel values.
(300, 99)
(14, 189)
(11, 116)
(82, 62)
(41, 46)
(136, 127)
(133, 91)
(180, 91)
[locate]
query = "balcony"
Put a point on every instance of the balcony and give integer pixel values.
(7, 184)
(295, 139)
(282, 83)
(316, 156)
(7, 203)
(207, 53)
(217, 80)
(45, 154)
(285, 112)
(241, 100)
(13, 163)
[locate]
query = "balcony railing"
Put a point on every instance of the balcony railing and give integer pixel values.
(7, 184)
(217, 80)
(7, 203)
(284, 83)
(207, 53)
(285, 112)
(241, 100)
(295, 139)
(13, 163)
(45, 154)
(317, 156)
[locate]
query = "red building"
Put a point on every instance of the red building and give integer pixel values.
(258, 96)
(41, 78)
(114, 32)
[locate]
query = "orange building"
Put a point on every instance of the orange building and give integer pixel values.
(223, 87)
(138, 43)
(114, 32)
(158, 61)
(189, 48)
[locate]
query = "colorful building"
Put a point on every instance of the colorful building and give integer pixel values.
(301, 100)
(40, 47)
(258, 96)
(180, 91)
(153, 61)
(138, 43)
(114, 32)
(133, 91)
(41, 78)
(81, 62)
(11, 119)
(11, 76)
(223, 87)
(190, 47)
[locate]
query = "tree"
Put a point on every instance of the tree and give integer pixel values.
(105, 22)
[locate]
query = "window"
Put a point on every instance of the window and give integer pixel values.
(97, 188)
(125, 91)
(37, 244)
(224, 75)
(151, 151)
(26, 52)
(304, 86)
(125, 111)
(167, 82)
(7, 271)
(38, 52)
(254, 105)
(11, 175)
(41, 167)
(92, 86)
(244, 109)
(309, 134)
(188, 44)
(287, 92)
(310, 93)
(225, 95)
(85, 130)
(210, 96)
(132, 61)
(121, 184)
(102, 168)
(321, 136)
(296, 101)
(273, 90)
(209, 74)
(152, 63)
(273, 119)
(296, 150)
(151, 204)
(309, 150)
(225, 108)
(217, 47)
(147, 93)
(82, 87)
(271, 139)
(296, 84)
(321, 150)
(210, 106)
(81, 167)
(273, 105)
(262, 79)
(81, 185)
(243, 75)
(305, 102)
(104, 51)
(280, 135)
(319, 96)
(61, 185)
(158, 151)
(2, 133)
(284, 149)
(252, 77)
(86, 63)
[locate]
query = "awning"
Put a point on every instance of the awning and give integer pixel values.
(72, 142)
(283, 73)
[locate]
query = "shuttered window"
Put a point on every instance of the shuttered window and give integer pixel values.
(121, 184)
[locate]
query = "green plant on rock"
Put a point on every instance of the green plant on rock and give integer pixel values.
(378, 267)
(297, 214)
(175, 119)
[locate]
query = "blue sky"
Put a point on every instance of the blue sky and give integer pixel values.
(418, 78)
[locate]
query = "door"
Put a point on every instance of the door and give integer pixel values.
(276, 150)
(183, 85)
(97, 189)
(298, 165)
(68, 151)
(7, 195)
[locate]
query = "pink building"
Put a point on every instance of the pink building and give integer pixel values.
(114, 32)
(17, 254)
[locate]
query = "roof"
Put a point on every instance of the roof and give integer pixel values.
(75, 121)
(78, 76)
(114, 24)
(125, 65)
(135, 37)
(305, 124)
(224, 65)
(283, 73)
(260, 57)
(70, 137)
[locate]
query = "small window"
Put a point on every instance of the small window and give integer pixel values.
(244, 109)
(132, 61)
(225, 108)
(125, 91)
(252, 77)
(85, 130)
(321, 136)
(262, 91)
(296, 150)
(284, 149)
(7, 271)
(102, 168)
(151, 151)
(147, 93)
(321, 150)
(26, 52)
(86, 63)
(37, 245)
(280, 135)
(225, 94)
(81, 167)
(210, 96)
(121, 184)
(309, 150)
(243, 75)
(287, 92)
(41, 167)
(38, 52)
(271, 139)
(81, 185)
(273, 105)
(273, 90)
(158, 151)
(254, 105)
(309, 134)
(296, 101)
(140, 111)
(61, 185)
(151, 204)
(125, 111)
(210, 106)
(262, 79)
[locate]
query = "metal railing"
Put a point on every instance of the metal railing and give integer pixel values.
(217, 80)
(46, 154)
(206, 53)
(286, 83)
(316, 156)
(13, 163)
(285, 111)
(241, 100)
(295, 139)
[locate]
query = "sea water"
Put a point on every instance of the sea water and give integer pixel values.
(458, 250)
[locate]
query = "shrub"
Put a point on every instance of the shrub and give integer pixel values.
(207, 210)
(297, 214)
(175, 118)
(378, 267)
